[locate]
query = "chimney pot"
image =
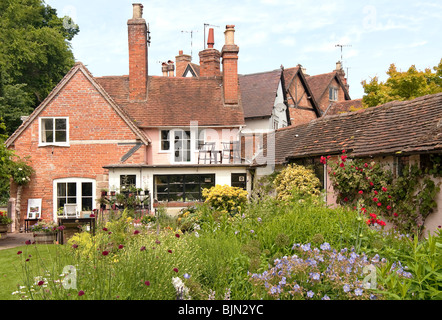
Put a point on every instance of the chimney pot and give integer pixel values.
(137, 11)
(229, 34)
(210, 39)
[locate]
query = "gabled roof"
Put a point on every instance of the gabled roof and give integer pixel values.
(258, 93)
(319, 84)
(78, 67)
(398, 127)
(176, 101)
(290, 74)
(193, 68)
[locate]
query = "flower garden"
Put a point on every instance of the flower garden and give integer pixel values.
(285, 244)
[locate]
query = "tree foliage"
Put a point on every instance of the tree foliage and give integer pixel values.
(34, 56)
(402, 86)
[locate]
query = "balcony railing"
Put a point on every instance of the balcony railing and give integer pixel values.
(230, 153)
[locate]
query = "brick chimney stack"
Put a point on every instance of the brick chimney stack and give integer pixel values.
(210, 59)
(229, 56)
(181, 61)
(137, 30)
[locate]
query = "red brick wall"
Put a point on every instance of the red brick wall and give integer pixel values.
(137, 30)
(324, 101)
(210, 63)
(90, 118)
(230, 73)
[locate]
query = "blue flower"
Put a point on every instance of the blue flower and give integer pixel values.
(325, 246)
(306, 247)
(315, 276)
(310, 294)
(346, 288)
(186, 276)
(325, 297)
(358, 292)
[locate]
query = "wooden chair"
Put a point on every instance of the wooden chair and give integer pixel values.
(207, 152)
(231, 151)
(70, 211)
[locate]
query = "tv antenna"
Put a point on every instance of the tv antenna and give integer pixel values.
(191, 40)
(342, 45)
(205, 26)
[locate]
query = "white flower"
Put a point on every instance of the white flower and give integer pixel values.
(197, 234)
(20, 169)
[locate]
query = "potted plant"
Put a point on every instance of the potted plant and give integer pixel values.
(44, 231)
(5, 221)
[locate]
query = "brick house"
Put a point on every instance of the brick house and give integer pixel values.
(171, 136)
(395, 134)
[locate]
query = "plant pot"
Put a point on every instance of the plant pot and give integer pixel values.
(45, 237)
(4, 227)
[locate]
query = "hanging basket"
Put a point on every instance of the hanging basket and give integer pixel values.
(45, 237)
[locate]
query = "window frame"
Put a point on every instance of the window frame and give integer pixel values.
(54, 143)
(194, 138)
(79, 194)
(172, 183)
(333, 93)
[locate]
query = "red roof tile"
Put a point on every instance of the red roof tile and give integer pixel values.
(176, 101)
(395, 127)
(343, 106)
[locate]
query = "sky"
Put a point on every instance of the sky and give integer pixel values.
(371, 34)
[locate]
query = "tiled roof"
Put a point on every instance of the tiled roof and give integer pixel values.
(258, 93)
(319, 83)
(342, 107)
(176, 101)
(395, 127)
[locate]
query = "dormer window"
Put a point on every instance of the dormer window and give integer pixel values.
(333, 94)
(54, 131)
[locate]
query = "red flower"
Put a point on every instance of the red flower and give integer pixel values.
(323, 160)
(177, 235)
(342, 165)
(41, 282)
(345, 199)
(170, 251)
(92, 215)
(361, 192)
(379, 204)
(105, 253)
(371, 184)
(104, 229)
(147, 283)
(175, 269)
(19, 252)
(395, 214)
(142, 248)
(375, 199)
(343, 158)
(373, 215)
(75, 246)
(366, 165)
(343, 151)
(389, 197)
(136, 232)
(384, 189)
(388, 207)
(80, 293)
(28, 242)
(120, 246)
(375, 192)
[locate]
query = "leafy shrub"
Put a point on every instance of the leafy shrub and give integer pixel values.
(296, 179)
(226, 198)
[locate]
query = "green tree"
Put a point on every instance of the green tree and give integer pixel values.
(35, 54)
(402, 86)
